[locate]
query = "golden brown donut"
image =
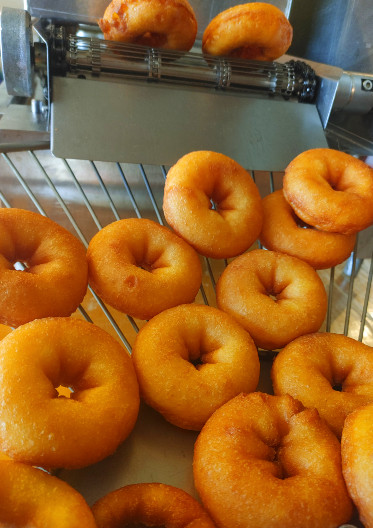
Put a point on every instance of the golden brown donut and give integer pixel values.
(357, 461)
(263, 461)
(33, 498)
(274, 296)
(55, 280)
(330, 372)
(168, 24)
(141, 268)
(330, 190)
(283, 231)
(190, 360)
(4, 330)
(192, 184)
(150, 504)
(39, 427)
(256, 31)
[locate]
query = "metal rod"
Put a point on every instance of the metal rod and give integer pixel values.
(366, 300)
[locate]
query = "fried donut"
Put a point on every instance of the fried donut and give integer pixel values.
(190, 360)
(141, 268)
(330, 372)
(55, 279)
(330, 190)
(39, 427)
(274, 463)
(4, 330)
(31, 497)
(357, 461)
(167, 24)
(256, 31)
(283, 231)
(213, 203)
(274, 296)
(150, 504)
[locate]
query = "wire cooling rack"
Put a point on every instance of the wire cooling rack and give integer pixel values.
(84, 196)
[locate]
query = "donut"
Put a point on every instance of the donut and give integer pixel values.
(191, 359)
(196, 182)
(330, 372)
(31, 497)
(264, 461)
(330, 190)
(141, 268)
(55, 279)
(42, 429)
(167, 24)
(357, 461)
(4, 330)
(151, 504)
(274, 296)
(283, 231)
(256, 31)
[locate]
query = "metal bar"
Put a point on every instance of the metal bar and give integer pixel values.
(129, 191)
(106, 192)
(366, 300)
(60, 200)
(84, 196)
(330, 300)
(350, 290)
(26, 188)
(151, 195)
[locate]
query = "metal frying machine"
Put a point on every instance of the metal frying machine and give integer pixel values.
(116, 116)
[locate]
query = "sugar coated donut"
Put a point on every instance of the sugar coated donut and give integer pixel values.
(257, 31)
(4, 330)
(168, 24)
(274, 296)
(196, 182)
(190, 360)
(263, 461)
(55, 279)
(330, 372)
(150, 504)
(283, 231)
(39, 427)
(141, 268)
(357, 461)
(33, 498)
(330, 190)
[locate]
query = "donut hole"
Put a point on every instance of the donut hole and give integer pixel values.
(64, 392)
(21, 266)
(337, 386)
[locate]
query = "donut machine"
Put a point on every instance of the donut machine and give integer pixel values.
(89, 128)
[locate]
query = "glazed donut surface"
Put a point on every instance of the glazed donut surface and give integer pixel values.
(141, 268)
(330, 372)
(357, 461)
(256, 31)
(168, 24)
(330, 190)
(192, 184)
(283, 231)
(55, 280)
(190, 360)
(45, 430)
(32, 497)
(274, 296)
(273, 462)
(151, 504)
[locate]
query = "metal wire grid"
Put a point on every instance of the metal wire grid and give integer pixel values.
(78, 193)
